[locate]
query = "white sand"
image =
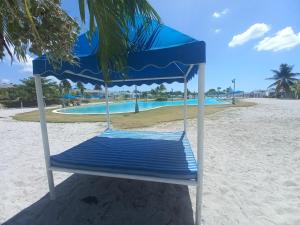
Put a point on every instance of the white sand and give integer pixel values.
(252, 174)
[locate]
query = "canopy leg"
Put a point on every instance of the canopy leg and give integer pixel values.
(200, 141)
(185, 99)
(107, 107)
(185, 106)
(40, 101)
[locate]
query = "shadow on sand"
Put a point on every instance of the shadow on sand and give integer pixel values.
(89, 200)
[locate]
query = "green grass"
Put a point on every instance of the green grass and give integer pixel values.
(130, 120)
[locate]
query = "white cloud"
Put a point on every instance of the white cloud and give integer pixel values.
(283, 39)
(5, 81)
(217, 31)
(221, 13)
(216, 15)
(255, 31)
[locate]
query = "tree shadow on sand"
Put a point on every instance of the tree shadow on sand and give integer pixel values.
(89, 200)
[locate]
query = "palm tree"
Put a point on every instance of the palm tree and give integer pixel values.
(162, 88)
(65, 86)
(97, 87)
(26, 90)
(112, 19)
(296, 89)
(284, 79)
(24, 26)
(228, 91)
(81, 87)
(159, 90)
(219, 90)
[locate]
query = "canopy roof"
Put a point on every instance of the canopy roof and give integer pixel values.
(161, 54)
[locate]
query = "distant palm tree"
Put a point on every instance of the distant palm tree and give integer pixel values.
(219, 90)
(65, 86)
(284, 79)
(162, 88)
(81, 87)
(97, 87)
(296, 89)
(228, 91)
(25, 26)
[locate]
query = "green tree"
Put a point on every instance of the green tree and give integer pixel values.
(228, 90)
(26, 90)
(44, 27)
(144, 94)
(284, 79)
(162, 88)
(97, 87)
(25, 93)
(8, 93)
(296, 89)
(38, 27)
(81, 87)
(211, 92)
(159, 92)
(153, 92)
(113, 18)
(65, 86)
(219, 90)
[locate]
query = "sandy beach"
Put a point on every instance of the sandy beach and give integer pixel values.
(251, 175)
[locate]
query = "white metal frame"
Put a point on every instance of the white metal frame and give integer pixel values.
(200, 143)
(127, 176)
(43, 123)
(185, 106)
(185, 99)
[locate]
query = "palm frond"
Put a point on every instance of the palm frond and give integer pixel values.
(293, 79)
(294, 74)
(112, 20)
(82, 10)
(26, 25)
(272, 78)
(276, 72)
(274, 84)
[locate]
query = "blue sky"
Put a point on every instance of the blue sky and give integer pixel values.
(245, 39)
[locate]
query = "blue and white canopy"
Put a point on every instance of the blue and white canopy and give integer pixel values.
(160, 55)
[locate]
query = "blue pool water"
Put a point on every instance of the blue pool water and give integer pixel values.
(129, 106)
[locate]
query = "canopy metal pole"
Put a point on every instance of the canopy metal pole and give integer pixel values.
(107, 107)
(40, 101)
(185, 106)
(200, 141)
(185, 97)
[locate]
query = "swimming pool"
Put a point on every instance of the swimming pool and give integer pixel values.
(129, 106)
